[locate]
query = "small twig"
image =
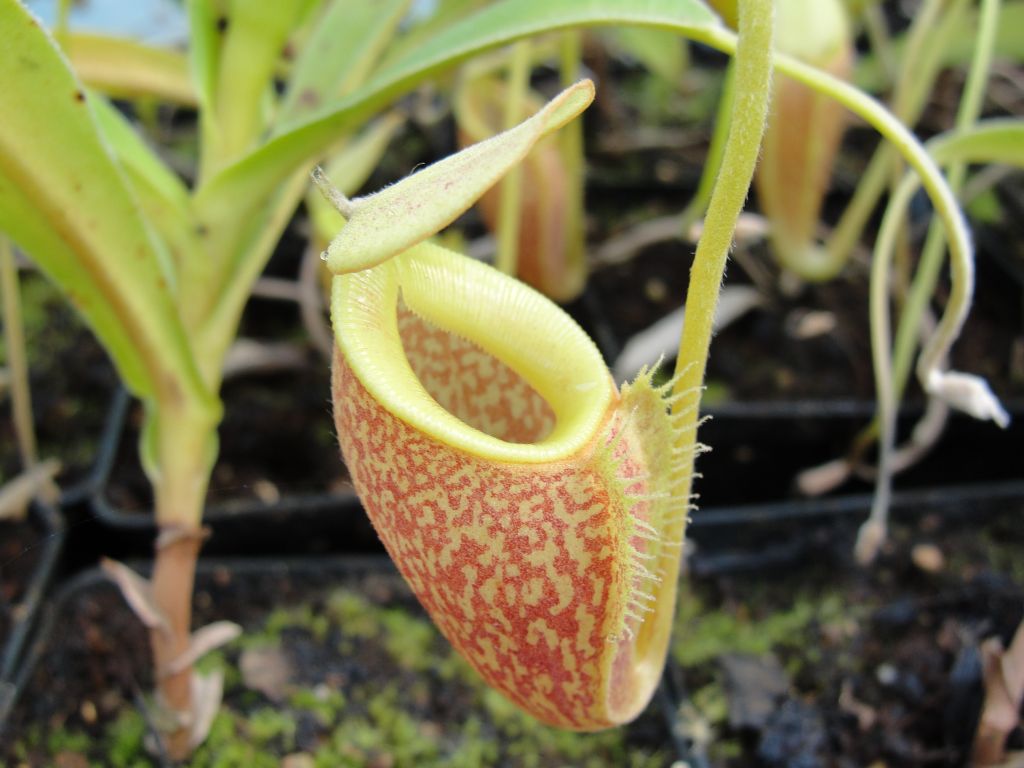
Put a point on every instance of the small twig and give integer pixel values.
(623, 247)
(277, 288)
(17, 359)
(249, 356)
(17, 494)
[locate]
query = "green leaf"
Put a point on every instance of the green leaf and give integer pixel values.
(127, 69)
(957, 49)
(998, 140)
(64, 200)
(404, 214)
(443, 15)
(660, 51)
(204, 57)
(161, 194)
(244, 184)
(255, 37)
(346, 43)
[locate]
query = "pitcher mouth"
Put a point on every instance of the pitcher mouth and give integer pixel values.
(508, 320)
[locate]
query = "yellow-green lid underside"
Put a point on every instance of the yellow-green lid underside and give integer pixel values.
(505, 318)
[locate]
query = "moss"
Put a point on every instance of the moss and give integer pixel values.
(701, 635)
(62, 740)
(326, 704)
(356, 616)
(266, 725)
(531, 743)
(315, 622)
(712, 703)
(382, 721)
(125, 739)
(226, 747)
(409, 640)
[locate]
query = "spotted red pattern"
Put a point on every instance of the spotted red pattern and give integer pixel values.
(472, 385)
(523, 567)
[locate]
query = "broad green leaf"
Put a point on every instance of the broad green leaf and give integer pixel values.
(64, 200)
(660, 51)
(204, 58)
(957, 49)
(396, 218)
(255, 37)
(244, 184)
(998, 140)
(138, 157)
(345, 45)
(446, 13)
(161, 194)
(126, 69)
(204, 50)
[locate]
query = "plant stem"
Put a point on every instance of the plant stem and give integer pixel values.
(17, 362)
(881, 43)
(713, 162)
(891, 373)
(753, 71)
(173, 581)
(931, 179)
(915, 79)
(923, 286)
(570, 141)
(510, 212)
(182, 438)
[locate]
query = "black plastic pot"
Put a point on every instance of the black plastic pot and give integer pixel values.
(49, 527)
(974, 469)
(757, 450)
(318, 522)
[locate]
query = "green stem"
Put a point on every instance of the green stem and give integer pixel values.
(891, 374)
(750, 109)
(920, 67)
(570, 141)
(925, 19)
(923, 286)
(17, 361)
(753, 72)
(878, 34)
(713, 161)
(510, 212)
(931, 179)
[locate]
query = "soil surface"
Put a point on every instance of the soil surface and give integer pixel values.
(827, 664)
(19, 556)
(333, 668)
(821, 663)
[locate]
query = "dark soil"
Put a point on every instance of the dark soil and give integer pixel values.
(760, 357)
(369, 682)
(846, 667)
(71, 380)
(276, 440)
(876, 667)
(19, 556)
